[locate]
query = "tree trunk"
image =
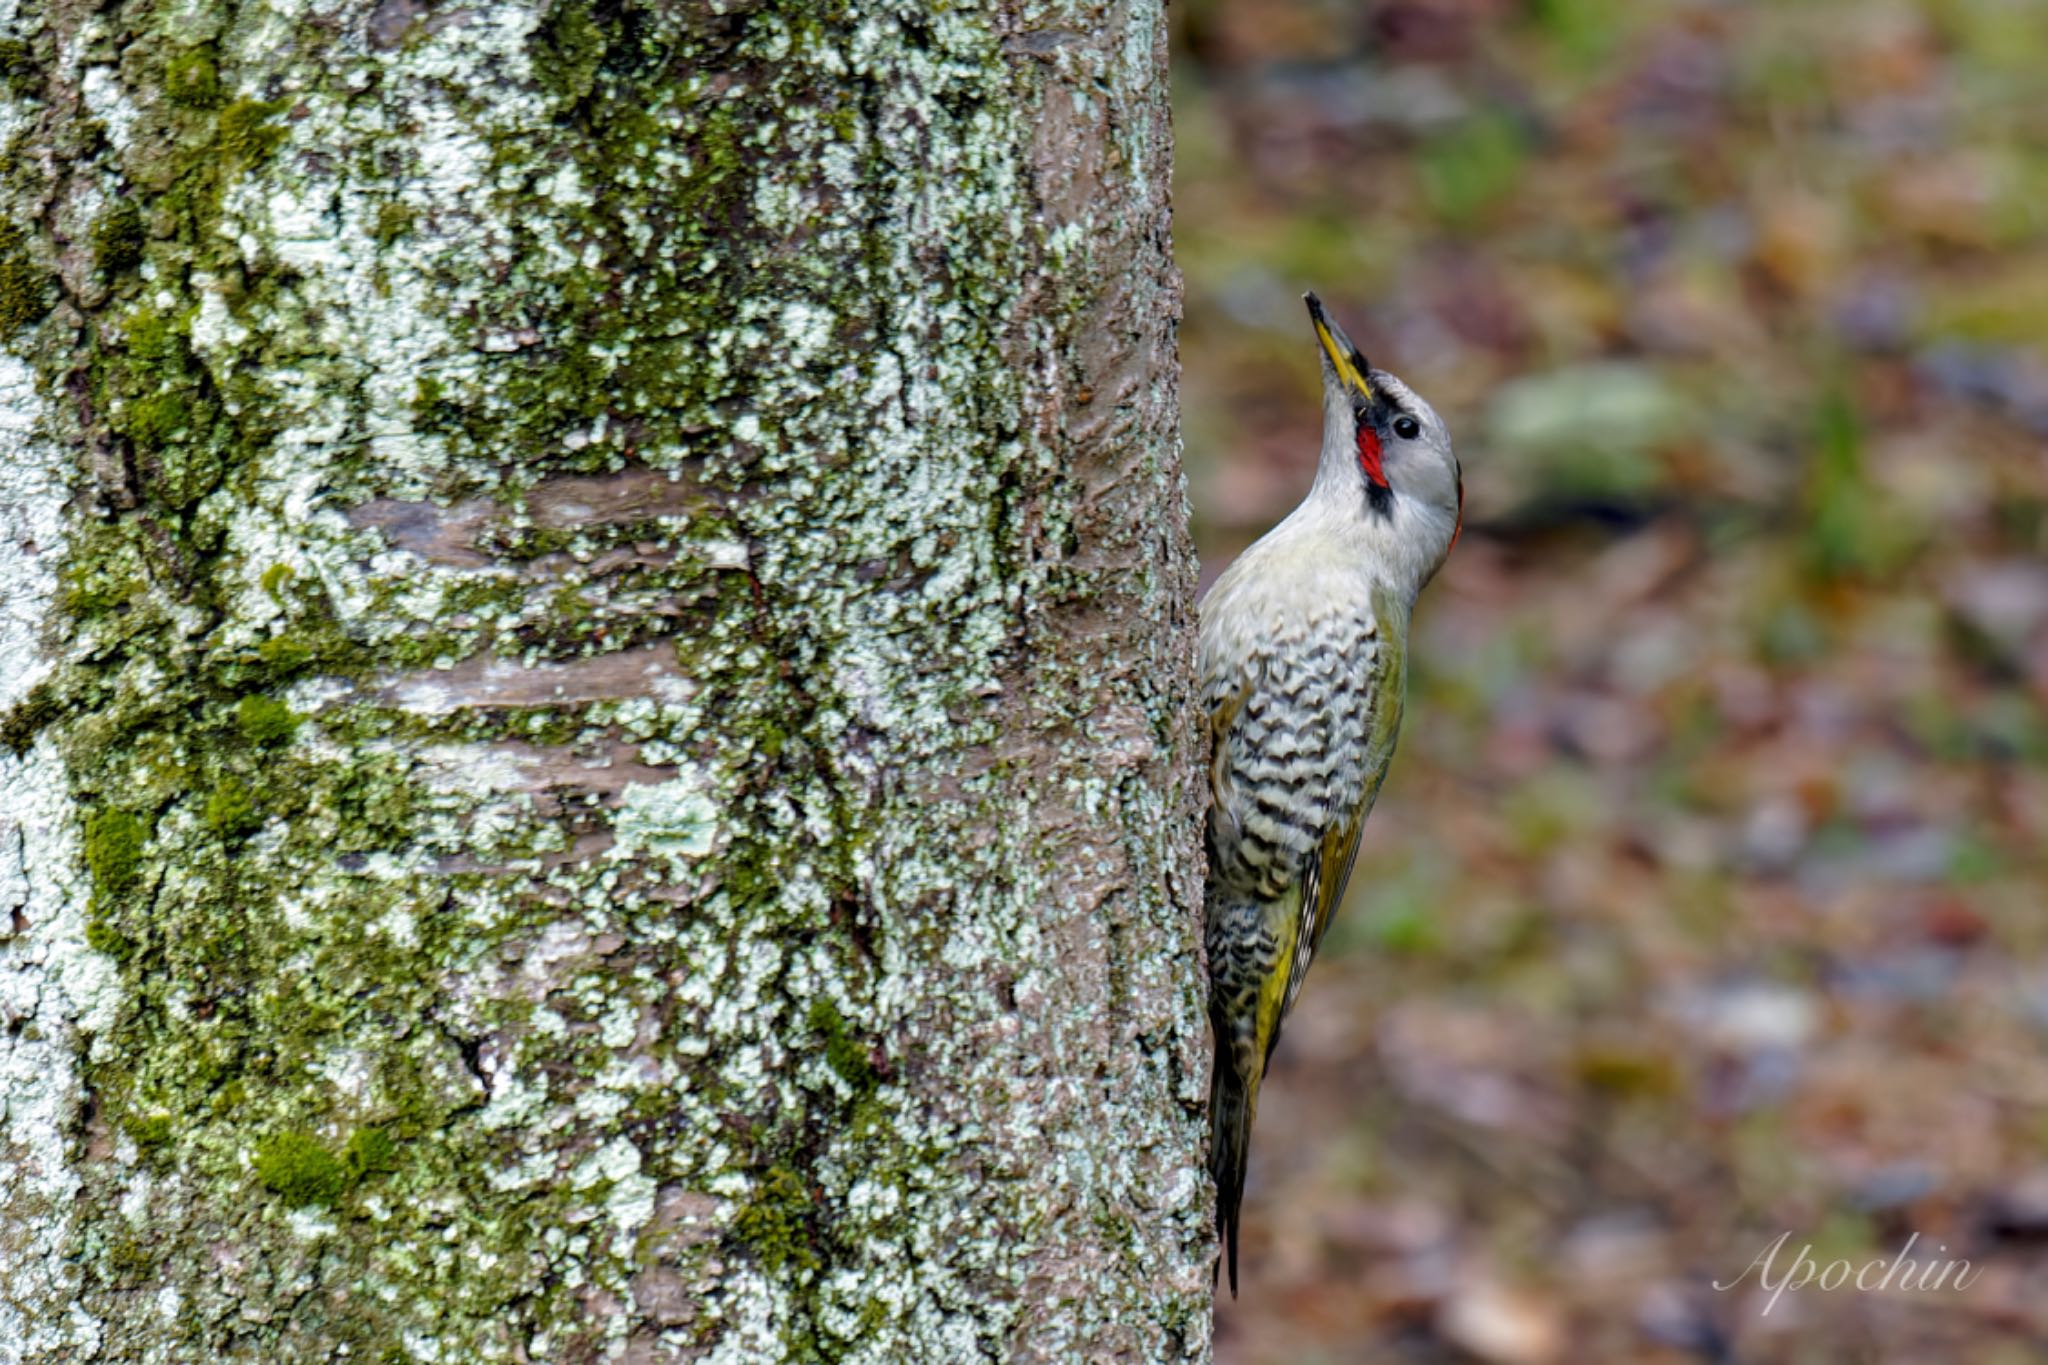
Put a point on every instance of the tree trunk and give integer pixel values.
(595, 652)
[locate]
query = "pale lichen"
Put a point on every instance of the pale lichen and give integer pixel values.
(56, 992)
(785, 894)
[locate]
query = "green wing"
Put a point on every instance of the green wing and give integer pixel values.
(1322, 891)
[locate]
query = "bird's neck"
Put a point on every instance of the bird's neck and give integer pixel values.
(1396, 542)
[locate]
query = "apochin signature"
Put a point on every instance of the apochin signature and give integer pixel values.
(1875, 1275)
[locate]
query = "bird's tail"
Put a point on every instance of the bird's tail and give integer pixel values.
(1231, 1104)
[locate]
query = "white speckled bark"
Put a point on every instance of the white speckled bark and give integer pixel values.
(595, 679)
(53, 991)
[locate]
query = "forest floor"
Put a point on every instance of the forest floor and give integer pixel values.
(1707, 903)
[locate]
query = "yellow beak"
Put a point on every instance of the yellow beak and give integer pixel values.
(1344, 357)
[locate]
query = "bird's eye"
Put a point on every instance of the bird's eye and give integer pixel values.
(1407, 428)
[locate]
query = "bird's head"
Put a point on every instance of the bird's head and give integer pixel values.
(1387, 453)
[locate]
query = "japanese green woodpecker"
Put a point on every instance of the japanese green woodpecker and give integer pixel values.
(1303, 654)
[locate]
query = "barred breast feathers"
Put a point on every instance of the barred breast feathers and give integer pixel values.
(1294, 657)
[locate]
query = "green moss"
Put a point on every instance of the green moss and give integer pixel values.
(775, 1223)
(370, 1151)
(428, 394)
(156, 421)
(103, 574)
(103, 937)
(264, 720)
(19, 69)
(149, 1132)
(308, 649)
(182, 474)
(275, 580)
(114, 841)
(634, 364)
(247, 133)
(23, 721)
(231, 809)
(873, 1315)
(769, 737)
(1117, 1229)
(157, 339)
(868, 1118)
(162, 400)
(24, 296)
(130, 1261)
(192, 78)
(118, 238)
(844, 1053)
(568, 48)
(295, 1167)
(287, 654)
(393, 222)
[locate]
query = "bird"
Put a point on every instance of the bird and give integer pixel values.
(1303, 666)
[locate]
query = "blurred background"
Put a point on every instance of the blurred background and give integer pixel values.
(1707, 900)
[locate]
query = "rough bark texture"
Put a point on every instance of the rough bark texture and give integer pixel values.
(594, 676)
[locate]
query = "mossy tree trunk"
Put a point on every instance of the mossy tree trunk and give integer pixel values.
(594, 659)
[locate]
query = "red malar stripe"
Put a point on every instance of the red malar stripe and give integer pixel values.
(1369, 455)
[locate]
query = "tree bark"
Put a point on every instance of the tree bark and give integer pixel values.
(595, 682)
